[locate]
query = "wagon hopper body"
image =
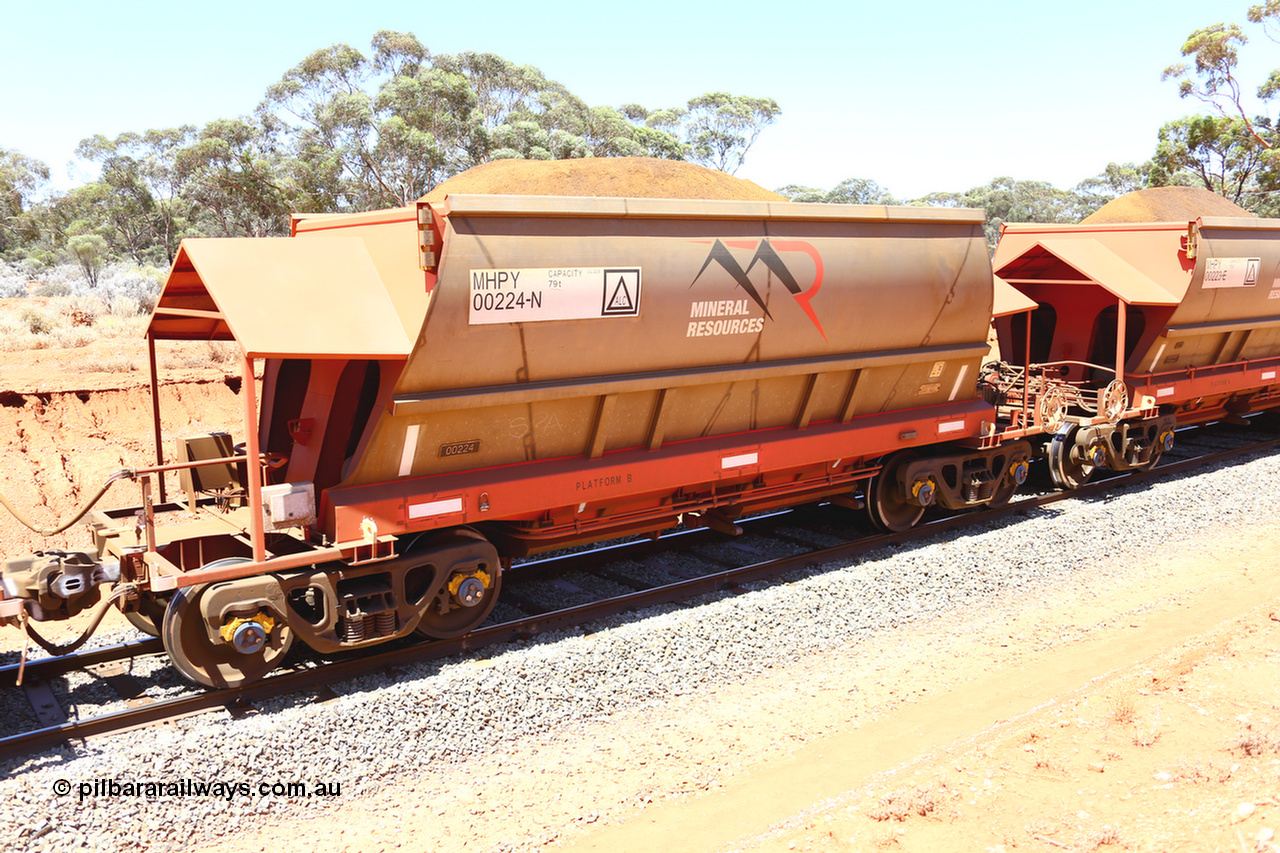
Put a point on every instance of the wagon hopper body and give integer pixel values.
(1139, 326)
(453, 384)
(592, 366)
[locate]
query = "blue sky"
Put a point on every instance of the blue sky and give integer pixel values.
(918, 96)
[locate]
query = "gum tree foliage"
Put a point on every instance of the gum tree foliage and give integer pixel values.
(381, 131)
(721, 128)
(342, 131)
(374, 132)
(848, 191)
(136, 204)
(22, 178)
(1235, 152)
(1220, 153)
(525, 115)
(90, 252)
(240, 183)
(1210, 76)
(1003, 199)
(1114, 181)
(1006, 199)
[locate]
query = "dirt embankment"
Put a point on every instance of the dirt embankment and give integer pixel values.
(57, 447)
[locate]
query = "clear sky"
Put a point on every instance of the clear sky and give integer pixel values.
(920, 96)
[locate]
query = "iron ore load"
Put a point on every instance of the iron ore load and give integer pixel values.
(480, 377)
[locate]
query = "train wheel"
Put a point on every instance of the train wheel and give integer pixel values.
(1011, 479)
(888, 509)
(1066, 465)
(470, 589)
(1150, 463)
(150, 614)
(251, 654)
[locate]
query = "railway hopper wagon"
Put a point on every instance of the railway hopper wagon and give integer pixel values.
(448, 386)
(1135, 328)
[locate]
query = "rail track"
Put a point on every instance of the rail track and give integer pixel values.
(675, 568)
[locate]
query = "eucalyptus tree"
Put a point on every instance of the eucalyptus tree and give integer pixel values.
(1224, 155)
(848, 191)
(1006, 199)
(378, 131)
(1211, 74)
(240, 183)
(721, 128)
(22, 179)
(140, 198)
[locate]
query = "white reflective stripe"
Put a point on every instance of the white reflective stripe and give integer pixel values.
(950, 426)
(955, 389)
(1156, 360)
(1268, 374)
(410, 450)
(435, 508)
(1165, 392)
(739, 460)
(582, 506)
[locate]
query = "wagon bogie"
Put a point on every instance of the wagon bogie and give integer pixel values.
(951, 477)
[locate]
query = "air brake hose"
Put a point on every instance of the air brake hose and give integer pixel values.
(55, 649)
(123, 473)
(99, 611)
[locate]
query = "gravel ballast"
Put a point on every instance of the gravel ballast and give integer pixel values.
(471, 707)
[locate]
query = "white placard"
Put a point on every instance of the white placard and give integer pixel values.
(1231, 272)
(531, 295)
(739, 461)
(443, 507)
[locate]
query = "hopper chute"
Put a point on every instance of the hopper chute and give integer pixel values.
(281, 297)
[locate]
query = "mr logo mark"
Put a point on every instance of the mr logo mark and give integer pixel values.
(766, 253)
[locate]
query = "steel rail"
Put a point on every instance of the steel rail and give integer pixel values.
(354, 665)
(42, 669)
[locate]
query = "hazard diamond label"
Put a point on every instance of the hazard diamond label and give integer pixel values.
(621, 293)
(570, 293)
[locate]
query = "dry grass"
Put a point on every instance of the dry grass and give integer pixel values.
(887, 841)
(1105, 837)
(202, 355)
(65, 313)
(113, 326)
(1199, 772)
(104, 363)
(1122, 709)
(1147, 734)
(1253, 742)
(60, 323)
(76, 322)
(898, 805)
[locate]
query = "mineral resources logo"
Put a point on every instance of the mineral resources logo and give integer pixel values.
(765, 253)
